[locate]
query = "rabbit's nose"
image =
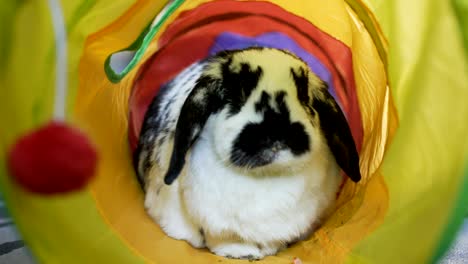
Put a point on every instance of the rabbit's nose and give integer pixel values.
(278, 146)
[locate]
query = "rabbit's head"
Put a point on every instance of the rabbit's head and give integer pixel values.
(268, 112)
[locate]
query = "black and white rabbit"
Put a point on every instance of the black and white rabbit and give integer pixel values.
(242, 152)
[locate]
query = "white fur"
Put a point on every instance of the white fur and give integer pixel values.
(245, 213)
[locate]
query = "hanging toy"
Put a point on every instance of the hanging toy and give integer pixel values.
(56, 158)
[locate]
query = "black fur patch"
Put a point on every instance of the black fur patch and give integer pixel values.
(258, 143)
(151, 127)
(191, 121)
(338, 134)
(239, 85)
(264, 102)
(202, 234)
(302, 85)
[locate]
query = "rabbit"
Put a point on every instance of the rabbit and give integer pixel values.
(242, 153)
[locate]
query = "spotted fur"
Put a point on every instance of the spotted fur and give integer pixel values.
(242, 152)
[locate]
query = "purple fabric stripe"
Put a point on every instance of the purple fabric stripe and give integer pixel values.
(230, 41)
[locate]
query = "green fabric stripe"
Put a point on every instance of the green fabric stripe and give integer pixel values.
(116, 77)
(461, 10)
(461, 207)
(80, 12)
(141, 43)
(368, 24)
(7, 18)
(455, 221)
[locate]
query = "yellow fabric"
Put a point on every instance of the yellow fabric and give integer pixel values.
(424, 165)
(400, 222)
(334, 241)
(64, 229)
(107, 223)
(102, 108)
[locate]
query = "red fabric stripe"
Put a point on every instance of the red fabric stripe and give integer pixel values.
(190, 36)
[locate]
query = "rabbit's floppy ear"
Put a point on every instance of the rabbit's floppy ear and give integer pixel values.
(205, 99)
(337, 132)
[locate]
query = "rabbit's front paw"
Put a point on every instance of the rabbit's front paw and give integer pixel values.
(237, 250)
(169, 214)
(181, 229)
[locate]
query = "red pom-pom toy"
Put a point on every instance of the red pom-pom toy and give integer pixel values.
(54, 159)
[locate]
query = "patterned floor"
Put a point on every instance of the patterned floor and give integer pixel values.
(13, 251)
(459, 252)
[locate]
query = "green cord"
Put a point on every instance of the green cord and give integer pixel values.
(140, 45)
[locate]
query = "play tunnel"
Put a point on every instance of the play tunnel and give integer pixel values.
(397, 68)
